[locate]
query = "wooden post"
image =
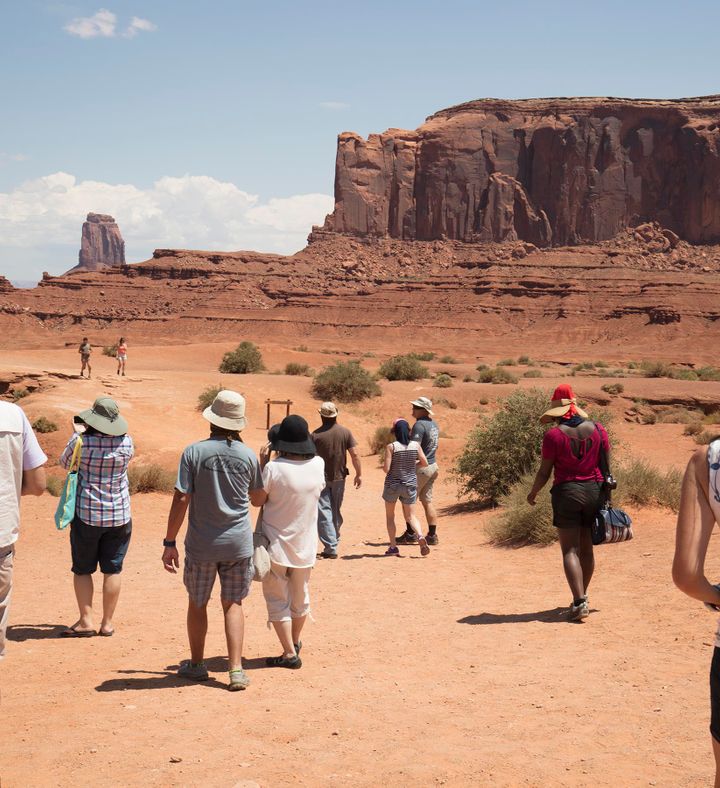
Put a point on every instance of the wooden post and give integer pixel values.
(268, 402)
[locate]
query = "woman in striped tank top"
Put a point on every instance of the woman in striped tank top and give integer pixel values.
(402, 457)
(699, 511)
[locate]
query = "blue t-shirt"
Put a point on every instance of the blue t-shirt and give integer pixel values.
(219, 476)
(427, 433)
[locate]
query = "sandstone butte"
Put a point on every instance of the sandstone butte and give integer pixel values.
(561, 223)
(101, 244)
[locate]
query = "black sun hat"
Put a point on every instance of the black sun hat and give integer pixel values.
(292, 436)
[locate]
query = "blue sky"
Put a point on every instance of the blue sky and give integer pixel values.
(213, 125)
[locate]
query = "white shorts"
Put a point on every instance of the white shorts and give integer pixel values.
(286, 591)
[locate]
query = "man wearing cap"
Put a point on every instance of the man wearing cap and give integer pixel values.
(218, 478)
(21, 473)
(333, 443)
(427, 433)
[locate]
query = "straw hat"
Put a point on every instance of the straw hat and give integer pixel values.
(563, 403)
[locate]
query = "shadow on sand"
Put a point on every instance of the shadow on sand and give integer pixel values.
(557, 615)
(20, 632)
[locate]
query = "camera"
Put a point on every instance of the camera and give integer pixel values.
(610, 482)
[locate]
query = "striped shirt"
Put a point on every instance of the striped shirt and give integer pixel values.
(403, 466)
(103, 496)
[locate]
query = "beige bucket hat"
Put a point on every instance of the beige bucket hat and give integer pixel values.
(227, 411)
(329, 410)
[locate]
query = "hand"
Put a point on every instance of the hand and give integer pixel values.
(265, 455)
(357, 481)
(171, 559)
(531, 498)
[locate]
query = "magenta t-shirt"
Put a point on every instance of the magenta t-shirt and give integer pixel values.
(576, 460)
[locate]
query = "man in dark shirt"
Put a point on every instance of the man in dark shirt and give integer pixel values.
(427, 433)
(333, 442)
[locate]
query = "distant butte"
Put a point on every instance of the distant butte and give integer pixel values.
(101, 244)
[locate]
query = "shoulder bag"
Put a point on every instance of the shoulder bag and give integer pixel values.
(65, 512)
(261, 559)
(611, 524)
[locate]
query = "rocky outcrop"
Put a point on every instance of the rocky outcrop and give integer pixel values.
(5, 285)
(101, 245)
(559, 171)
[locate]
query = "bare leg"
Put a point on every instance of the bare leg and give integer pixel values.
(586, 556)
(197, 630)
(234, 632)
(430, 513)
(716, 753)
(569, 544)
(390, 521)
(410, 517)
(283, 629)
(111, 594)
(297, 628)
(83, 585)
(89, 370)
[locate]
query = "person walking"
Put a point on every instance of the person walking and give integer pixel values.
(402, 458)
(85, 350)
(572, 450)
(22, 472)
(121, 356)
(101, 530)
(333, 443)
(427, 433)
(292, 482)
(217, 480)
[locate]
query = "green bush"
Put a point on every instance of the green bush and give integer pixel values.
(497, 375)
(293, 368)
(533, 373)
(443, 381)
(601, 364)
(503, 447)
(20, 393)
(43, 425)
(693, 428)
(380, 439)
(709, 373)
(656, 369)
(55, 485)
(206, 397)
(641, 483)
(519, 523)
(526, 361)
(583, 366)
(150, 478)
(345, 382)
(425, 356)
(301, 348)
(613, 388)
(506, 362)
(685, 374)
(632, 365)
(705, 437)
(402, 368)
(448, 360)
(481, 367)
(110, 350)
(468, 378)
(246, 358)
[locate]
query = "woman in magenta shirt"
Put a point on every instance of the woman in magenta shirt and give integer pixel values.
(572, 450)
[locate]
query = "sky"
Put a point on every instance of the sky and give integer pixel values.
(213, 125)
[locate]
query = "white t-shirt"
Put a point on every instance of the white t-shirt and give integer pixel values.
(19, 451)
(290, 512)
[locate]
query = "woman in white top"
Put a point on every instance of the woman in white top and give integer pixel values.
(402, 457)
(292, 484)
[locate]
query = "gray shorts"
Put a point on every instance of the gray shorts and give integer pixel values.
(426, 479)
(235, 579)
(407, 493)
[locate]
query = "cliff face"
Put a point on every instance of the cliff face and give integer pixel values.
(549, 171)
(101, 244)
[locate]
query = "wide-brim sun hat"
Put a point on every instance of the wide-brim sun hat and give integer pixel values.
(227, 411)
(563, 403)
(292, 436)
(424, 403)
(104, 416)
(329, 410)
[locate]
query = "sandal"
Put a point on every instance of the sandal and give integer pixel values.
(424, 549)
(393, 551)
(73, 632)
(284, 662)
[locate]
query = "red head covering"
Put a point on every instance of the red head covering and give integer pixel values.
(564, 392)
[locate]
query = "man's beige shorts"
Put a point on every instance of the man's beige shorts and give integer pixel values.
(425, 481)
(6, 570)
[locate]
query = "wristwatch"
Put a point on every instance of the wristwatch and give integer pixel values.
(169, 543)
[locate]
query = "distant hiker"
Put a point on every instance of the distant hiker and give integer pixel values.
(292, 485)
(101, 530)
(218, 478)
(21, 473)
(85, 350)
(699, 511)
(427, 433)
(572, 449)
(402, 457)
(121, 356)
(333, 443)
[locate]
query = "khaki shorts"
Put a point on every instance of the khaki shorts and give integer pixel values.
(6, 570)
(286, 591)
(425, 481)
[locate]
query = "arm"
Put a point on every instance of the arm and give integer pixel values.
(541, 479)
(422, 459)
(178, 509)
(387, 460)
(355, 458)
(33, 481)
(694, 528)
(258, 497)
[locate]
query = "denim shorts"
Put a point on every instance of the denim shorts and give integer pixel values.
(407, 493)
(91, 545)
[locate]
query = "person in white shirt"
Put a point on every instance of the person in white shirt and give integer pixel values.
(21, 473)
(292, 484)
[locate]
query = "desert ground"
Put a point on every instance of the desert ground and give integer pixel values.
(457, 669)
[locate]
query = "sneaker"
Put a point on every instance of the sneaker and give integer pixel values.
(328, 555)
(393, 551)
(431, 539)
(239, 680)
(293, 663)
(424, 549)
(578, 612)
(407, 538)
(188, 670)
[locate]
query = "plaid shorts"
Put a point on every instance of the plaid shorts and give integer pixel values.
(235, 579)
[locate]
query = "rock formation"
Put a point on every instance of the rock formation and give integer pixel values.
(6, 285)
(549, 171)
(102, 244)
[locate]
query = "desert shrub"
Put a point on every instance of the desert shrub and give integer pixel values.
(616, 373)
(641, 483)
(43, 425)
(503, 447)
(705, 437)
(613, 388)
(345, 381)
(380, 439)
(150, 478)
(632, 365)
(678, 415)
(583, 366)
(447, 360)
(244, 359)
(519, 523)
(506, 362)
(55, 485)
(110, 350)
(402, 368)
(656, 369)
(301, 348)
(693, 428)
(602, 364)
(447, 402)
(709, 373)
(206, 397)
(483, 401)
(467, 378)
(424, 356)
(525, 361)
(533, 373)
(684, 374)
(497, 375)
(293, 368)
(442, 381)
(481, 367)
(20, 393)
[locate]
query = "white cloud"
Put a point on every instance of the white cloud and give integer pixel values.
(192, 211)
(334, 105)
(101, 24)
(138, 25)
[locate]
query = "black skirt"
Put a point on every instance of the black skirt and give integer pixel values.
(575, 504)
